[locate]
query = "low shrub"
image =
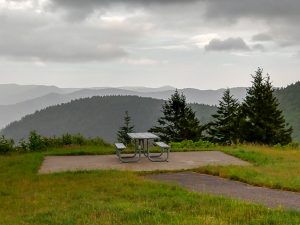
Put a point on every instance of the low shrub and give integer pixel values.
(53, 141)
(67, 139)
(6, 145)
(37, 142)
(78, 139)
(189, 144)
(292, 145)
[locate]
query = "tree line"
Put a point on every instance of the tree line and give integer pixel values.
(257, 119)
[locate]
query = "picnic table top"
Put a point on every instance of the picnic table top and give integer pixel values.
(145, 135)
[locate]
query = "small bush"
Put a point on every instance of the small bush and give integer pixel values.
(78, 139)
(67, 139)
(292, 145)
(35, 142)
(23, 145)
(53, 141)
(6, 145)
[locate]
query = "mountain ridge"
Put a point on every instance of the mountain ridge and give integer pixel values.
(96, 116)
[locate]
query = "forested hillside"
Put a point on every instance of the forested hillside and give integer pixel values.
(289, 99)
(96, 116)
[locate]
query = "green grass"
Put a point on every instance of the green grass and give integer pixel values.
(81, 150)
(271, 167)
(115, 197)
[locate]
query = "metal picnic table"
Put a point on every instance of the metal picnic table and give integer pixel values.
(141, 143)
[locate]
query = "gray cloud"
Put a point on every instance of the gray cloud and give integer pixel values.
(187, 15)
(281, 17)
(49, 37)
(78, 9)
(258, 47)
(229, 44)
(231, 10)
(264, 9)
(29, 36)
(262, 37)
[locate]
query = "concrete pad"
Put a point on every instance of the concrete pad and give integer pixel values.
(177, 161)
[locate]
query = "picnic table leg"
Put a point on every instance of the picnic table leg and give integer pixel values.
(157, 158)
(132, 158)
(146, 150)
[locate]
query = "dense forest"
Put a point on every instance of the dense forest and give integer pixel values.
(290, 105)
(96, 116)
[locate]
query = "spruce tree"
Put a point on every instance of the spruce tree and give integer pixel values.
(127, 128)
(224, 128)
(178, 122)
(262, 121)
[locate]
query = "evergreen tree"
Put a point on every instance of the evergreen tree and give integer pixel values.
(127, 128)
(178, 122)
(262, 121)
(224, 128)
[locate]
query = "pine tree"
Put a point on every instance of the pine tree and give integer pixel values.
(127, 128)
(262, 121)
(178, 122)
(224, 128)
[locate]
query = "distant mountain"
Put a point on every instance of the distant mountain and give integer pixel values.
(96, 116)
(10, 113)
(290, 104)
(13, 112)
(146, 89)
(14, 93)
(208, 97)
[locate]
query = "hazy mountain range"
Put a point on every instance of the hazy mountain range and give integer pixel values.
(25, 100)
(78, 116)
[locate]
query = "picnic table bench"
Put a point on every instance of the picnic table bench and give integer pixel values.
(141, 143)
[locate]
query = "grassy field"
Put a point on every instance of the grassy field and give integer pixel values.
(114, 197)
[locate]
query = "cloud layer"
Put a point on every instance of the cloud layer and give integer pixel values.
(93, 30)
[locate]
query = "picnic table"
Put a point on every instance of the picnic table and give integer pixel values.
(142, 142)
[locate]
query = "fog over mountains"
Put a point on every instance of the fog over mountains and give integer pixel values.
(17, 101)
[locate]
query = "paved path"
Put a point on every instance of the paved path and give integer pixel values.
(177, 161)
(216, 185)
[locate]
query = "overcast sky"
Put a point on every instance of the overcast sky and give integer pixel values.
(205, 44)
